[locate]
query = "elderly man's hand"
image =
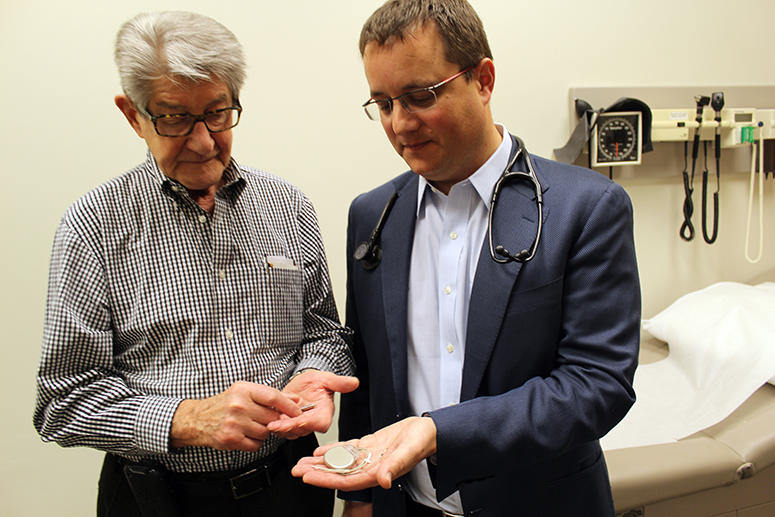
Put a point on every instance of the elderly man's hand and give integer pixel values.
(395, 450)
(312, 388)
(233, 420)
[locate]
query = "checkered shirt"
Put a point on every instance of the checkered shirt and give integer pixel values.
(152, 300)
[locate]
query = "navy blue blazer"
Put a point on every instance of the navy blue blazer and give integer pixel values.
(550, 354)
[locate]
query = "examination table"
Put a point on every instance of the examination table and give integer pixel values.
(726, 470)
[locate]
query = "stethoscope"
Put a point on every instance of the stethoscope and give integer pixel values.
(369, 253)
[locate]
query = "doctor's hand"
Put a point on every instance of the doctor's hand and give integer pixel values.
(311, 388)
(233, 420)
(395, 450)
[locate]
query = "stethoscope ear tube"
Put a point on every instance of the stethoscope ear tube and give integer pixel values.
(499, 253)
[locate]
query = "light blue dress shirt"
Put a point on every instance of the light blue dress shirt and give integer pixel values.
(448, 236)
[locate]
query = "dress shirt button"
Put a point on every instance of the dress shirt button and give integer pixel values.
(221, 274)
(447, 290)
(450, 348)
(453, 235)
(229, 334)
(202, 218)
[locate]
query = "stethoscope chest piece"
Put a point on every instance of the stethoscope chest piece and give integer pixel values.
(368, 255)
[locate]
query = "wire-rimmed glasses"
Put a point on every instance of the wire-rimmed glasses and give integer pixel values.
(413, 101)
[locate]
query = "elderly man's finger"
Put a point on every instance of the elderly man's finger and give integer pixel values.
(273, 398)
(339, 383)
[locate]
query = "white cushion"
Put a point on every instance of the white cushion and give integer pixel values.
(705, 327)
(722, 349)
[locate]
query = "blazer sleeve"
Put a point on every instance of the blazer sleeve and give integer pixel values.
(588, 387)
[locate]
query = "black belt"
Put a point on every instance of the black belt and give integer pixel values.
(415, 509)
(238, 484)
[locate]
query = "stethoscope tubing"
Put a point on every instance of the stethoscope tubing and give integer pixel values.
(369, 253)
(498, 253)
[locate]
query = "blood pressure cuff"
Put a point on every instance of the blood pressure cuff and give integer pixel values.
(588, 118)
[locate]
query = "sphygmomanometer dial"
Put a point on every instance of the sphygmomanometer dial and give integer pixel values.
(617, 139)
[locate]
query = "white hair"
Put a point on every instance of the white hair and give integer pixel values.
(179, 46)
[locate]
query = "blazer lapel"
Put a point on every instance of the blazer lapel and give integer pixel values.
(396, 241)
(514, 227)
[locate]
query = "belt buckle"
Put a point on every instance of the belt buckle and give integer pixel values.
(250, 482)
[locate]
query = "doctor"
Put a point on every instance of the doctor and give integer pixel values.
(484, 386)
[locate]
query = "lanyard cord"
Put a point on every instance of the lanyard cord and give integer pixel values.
(687, 229)
(712, 238)
(760, 149)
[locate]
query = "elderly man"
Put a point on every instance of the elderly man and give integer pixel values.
(190, 327)
(488, 375)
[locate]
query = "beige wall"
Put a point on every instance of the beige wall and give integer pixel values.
(60, 135)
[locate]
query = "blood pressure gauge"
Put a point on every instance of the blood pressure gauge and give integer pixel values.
(617, 139)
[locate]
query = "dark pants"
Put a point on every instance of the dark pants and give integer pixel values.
(286, 496)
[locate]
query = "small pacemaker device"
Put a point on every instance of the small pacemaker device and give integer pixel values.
(345, 459)
(339, 458)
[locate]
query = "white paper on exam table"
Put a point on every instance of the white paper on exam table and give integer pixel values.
(722, 349)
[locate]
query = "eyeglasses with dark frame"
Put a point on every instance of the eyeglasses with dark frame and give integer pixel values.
(413, 101)
(182, 124)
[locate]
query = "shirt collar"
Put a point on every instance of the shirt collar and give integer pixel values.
(232, 175)
(484, 178)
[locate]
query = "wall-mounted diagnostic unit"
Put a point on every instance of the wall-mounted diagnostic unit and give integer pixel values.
(737, 125)
(617, 133)
(616, 139)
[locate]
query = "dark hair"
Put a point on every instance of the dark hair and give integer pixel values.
(460, 28)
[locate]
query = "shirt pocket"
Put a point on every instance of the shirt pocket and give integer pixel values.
(281, 307)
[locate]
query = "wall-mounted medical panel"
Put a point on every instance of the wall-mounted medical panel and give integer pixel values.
(679, 124)
(748, 113)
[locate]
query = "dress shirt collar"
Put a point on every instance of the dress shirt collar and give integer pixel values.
(484, 179)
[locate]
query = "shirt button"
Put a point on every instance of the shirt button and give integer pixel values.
(453, 235)
(450, 348)
(221, 274)
(203, 218)
(229, 334)
(447, 290)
